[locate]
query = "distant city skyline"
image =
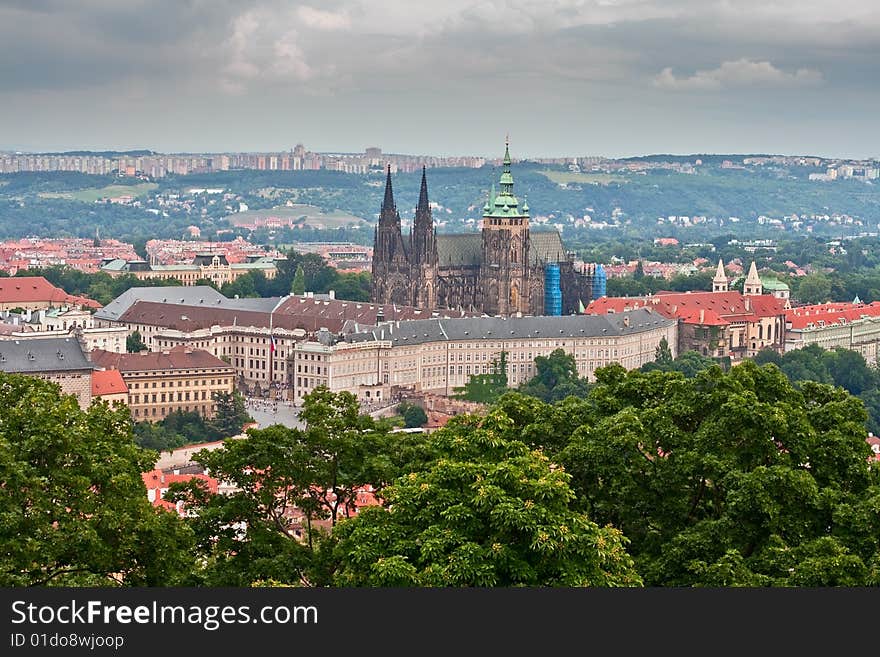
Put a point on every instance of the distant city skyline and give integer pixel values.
(570, 78)
(443, 156)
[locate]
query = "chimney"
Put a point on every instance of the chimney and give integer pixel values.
(332, 294)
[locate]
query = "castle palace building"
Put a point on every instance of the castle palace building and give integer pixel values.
(505, 269)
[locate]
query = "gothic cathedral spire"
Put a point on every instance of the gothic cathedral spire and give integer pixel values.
(389, 214)
(424, 249)
(391, 268)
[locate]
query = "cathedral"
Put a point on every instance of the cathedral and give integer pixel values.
(503, 270)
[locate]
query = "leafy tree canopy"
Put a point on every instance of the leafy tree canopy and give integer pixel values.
(724, 479)
(488, 511)
(556, 378)
(74, 508)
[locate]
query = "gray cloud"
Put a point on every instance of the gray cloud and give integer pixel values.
(435, 77)
(739, 73)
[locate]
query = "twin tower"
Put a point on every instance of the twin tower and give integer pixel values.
(501, 270)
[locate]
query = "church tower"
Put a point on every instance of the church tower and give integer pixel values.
(720, 282)
(423, 252)
(753, 285)
(391, 270)
(504, 270)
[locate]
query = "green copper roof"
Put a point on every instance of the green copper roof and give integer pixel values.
(505, 204)
(773, 284)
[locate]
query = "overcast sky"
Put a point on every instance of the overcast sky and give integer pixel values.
(445, 77)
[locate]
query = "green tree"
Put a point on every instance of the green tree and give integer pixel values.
(806, 364)
(156, 436)
(849, 370)
(252, 533)
(486, 388)
(871, 400)
(341, 439)
(489, 511)
(693, 282)
(353, 286)
(729, 478)
(639, 272)
(556, 378)
(691, 362)
(627, 286)
(768, 355)
(413, 415)
(230, 415)
(814, 288)
(134, 343)
(74, 509)
(663, 354)
(298, 286)
(282, 475)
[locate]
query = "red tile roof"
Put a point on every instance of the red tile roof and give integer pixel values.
(874, 442)
(702, 317)
(177, 358)
(719, 307)
(30, 289)
(830, 313)
(158, 481)
(108, 382)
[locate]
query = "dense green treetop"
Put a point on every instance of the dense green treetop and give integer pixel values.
(726, 478)
(556, 377)
(489, 511)
(74, 510)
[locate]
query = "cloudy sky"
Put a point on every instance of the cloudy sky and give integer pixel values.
(450, 77)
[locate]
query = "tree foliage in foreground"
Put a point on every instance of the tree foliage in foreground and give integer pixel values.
(724, 479)
(290, 482)
(489, 511)
(74, 510)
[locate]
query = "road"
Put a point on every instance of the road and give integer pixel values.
(267, 413)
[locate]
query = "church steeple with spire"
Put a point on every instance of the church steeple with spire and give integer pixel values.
(753, 285)
(390, 258)
(424, 249)
(720, 282)
(505, 276)
(501, 270)
(389, 216)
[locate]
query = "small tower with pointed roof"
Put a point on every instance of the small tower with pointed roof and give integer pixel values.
(720, 283)
(753, 285)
